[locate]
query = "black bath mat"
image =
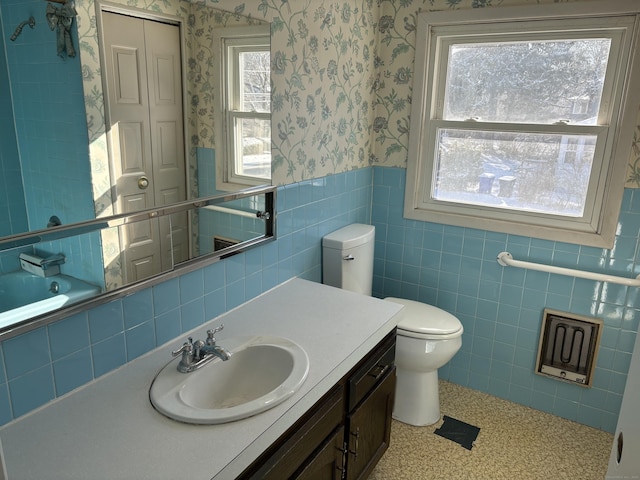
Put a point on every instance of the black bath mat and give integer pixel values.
(458, 432)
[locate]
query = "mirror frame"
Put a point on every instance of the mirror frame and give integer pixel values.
(35, 237)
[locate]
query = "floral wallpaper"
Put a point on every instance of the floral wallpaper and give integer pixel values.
(323, 72)
(323, 76)
(199, 19)
(394, 80)
(342, 74)
(202, 20)
(633, 178)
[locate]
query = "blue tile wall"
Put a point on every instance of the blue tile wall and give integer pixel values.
(206, 160)
(53, 360)
(12, 207)
(50, 120)
(451, 267)
(82, 257)
(9, 260)
(237, 228)
(51, 138)
(501, 308)
(212, 223)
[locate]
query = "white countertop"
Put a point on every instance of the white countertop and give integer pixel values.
(109, 430)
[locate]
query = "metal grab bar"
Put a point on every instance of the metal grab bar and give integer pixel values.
(74, 229)
(232, 211)
(506, 260)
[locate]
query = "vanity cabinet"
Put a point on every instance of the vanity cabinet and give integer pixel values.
(345, 433)
(369, 429)
(350, 343)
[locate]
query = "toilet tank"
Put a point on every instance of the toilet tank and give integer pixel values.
(347, 258)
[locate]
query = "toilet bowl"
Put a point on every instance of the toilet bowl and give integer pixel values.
(427, 336)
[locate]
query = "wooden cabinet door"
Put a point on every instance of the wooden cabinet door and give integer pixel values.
(328, 462)
(369, 429)
(301, 443)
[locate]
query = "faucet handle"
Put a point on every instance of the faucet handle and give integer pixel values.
(211, 339)
(186, 347)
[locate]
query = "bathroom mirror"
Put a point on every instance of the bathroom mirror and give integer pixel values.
(44, 284)
(54, 141)
(54, 134)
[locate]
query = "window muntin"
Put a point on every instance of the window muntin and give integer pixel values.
(560, 134)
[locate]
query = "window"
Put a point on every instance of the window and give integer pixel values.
(522, 123)
(243, 120)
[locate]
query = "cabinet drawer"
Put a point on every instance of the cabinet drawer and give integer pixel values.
(372, 371)
(310, 432)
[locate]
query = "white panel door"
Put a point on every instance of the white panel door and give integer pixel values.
(167, 134)
(146, 138)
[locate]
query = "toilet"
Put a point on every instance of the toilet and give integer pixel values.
(427, 336)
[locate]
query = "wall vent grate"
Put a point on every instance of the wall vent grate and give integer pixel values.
(568, 346)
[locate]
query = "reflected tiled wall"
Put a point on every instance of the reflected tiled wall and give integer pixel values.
(501, 308)
(51, 129)
(48, 362)
(50, 120)
(12, 209)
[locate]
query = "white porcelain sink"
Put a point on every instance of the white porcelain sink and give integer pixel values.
(262, 372)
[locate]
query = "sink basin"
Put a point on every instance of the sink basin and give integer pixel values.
(263, 371)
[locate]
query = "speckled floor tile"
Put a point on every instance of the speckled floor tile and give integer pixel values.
(515, 442)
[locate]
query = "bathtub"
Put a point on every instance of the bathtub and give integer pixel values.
(23, 295)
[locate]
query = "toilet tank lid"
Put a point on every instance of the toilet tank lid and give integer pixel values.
(350, 236)
(426, 319)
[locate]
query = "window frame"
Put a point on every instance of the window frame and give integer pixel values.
(229, 43)
(597, 227)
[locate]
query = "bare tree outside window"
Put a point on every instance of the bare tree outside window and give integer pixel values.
(522, 119)
(254, 132)
(533, 82)
(526, 82)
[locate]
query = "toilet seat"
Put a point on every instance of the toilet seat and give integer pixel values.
(425, 321)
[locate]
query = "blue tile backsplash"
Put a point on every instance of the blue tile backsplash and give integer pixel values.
(451, 267)
(53, 360)
(12, 205)
(501, 308)
(50, 124)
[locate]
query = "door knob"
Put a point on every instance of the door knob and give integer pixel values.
(143, 182)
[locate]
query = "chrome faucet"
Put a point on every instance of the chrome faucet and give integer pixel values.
(197, 354)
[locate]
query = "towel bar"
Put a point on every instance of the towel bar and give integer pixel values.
(506, 260)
